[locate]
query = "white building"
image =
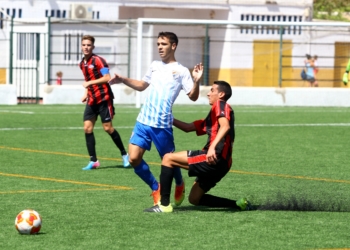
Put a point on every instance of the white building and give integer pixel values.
(31, 17)
(129, 9)
(258, 43)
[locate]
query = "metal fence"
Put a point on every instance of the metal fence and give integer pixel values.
(244, 53)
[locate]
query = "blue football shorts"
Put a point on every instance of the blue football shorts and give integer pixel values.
(162, 138)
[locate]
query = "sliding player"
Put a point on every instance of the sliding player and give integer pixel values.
(209, 164)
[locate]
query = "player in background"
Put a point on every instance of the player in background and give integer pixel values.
(309, 65)
(210, 164)
(98, 97)
(316, 69)
(165, 78)
(345, 75)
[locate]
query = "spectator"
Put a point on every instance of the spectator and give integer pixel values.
(59, 75)
(315, 58)
(310, 75)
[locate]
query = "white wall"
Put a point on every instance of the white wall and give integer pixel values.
(8, 95)
(313, 97)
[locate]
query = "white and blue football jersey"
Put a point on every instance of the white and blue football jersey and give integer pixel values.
(166, 82)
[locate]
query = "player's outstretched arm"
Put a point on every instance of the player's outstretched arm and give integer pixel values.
(197, 72)
(196, 75)
(345, 75)
(184, 126)
(134, 84)
(116, 79)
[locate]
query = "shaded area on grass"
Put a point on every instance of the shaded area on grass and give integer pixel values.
(284, 202)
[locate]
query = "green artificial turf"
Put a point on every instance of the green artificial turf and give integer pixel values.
(292, 163)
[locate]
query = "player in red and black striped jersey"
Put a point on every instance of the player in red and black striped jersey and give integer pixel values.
(209, 164)
(98, 97)
(211, 127)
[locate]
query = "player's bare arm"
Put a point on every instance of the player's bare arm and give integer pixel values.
(184, 126)
(196, 75)
(102, 80)
(223, 130)
(134, 84)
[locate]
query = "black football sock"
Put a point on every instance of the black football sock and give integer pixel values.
(90, 143)
(166, 179)
(118, 142)
(214, 201)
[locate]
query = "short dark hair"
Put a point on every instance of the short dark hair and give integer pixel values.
(308, 56)
(224, 87)
(88, 37)
(170, 35)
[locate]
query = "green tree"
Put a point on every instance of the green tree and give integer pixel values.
(331, 9)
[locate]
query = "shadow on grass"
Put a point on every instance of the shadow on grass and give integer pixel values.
(284, 202)
(40, 233)
(115, 166)
(190, 208)
(32, 234)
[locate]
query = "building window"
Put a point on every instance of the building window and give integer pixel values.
(72, 44)
(295, 30)
(55, 13)
(95, 15)
(26, 46)
(1, 20)
(9, 13)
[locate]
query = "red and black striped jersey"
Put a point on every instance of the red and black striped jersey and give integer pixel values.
(210, 126)
(91, 69)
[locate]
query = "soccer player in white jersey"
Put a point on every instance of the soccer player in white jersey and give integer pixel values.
(165, 78)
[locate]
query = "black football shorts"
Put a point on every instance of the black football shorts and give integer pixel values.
(105, 109)
(207, 175)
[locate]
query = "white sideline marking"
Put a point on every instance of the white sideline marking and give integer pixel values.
(14, 111)
(50, 128)
(237, 111)
(297, 125)
(59, 128)
(290, 111)
(237, 125)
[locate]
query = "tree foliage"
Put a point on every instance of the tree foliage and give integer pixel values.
(331, 9)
